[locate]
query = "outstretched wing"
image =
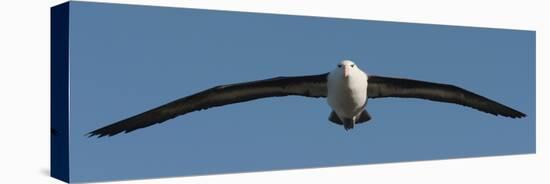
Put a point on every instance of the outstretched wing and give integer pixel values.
(308, 86)
(379, 87)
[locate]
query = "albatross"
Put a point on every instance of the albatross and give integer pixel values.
(346, 88)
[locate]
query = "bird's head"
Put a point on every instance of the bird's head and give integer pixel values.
(346, 68)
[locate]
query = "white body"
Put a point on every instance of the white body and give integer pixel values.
(347, 90)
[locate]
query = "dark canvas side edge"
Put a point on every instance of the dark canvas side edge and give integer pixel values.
(59, 94)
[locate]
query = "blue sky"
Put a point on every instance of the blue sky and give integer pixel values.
(129, 59)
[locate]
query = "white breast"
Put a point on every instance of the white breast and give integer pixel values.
(347, 97)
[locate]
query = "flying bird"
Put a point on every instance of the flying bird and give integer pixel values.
(346, 88)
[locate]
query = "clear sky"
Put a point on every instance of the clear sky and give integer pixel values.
(129, 59)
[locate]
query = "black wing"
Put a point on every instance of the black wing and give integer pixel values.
(309, 86)
(379, 87)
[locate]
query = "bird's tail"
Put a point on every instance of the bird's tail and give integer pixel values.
(349, 124)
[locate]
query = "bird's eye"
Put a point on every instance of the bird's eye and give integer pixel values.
(352, 66)
(339, 66)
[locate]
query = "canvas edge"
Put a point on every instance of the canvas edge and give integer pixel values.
(59, 92)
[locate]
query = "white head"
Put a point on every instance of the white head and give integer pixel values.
(346, 68)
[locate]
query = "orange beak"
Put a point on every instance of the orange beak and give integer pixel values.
(346, 71)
